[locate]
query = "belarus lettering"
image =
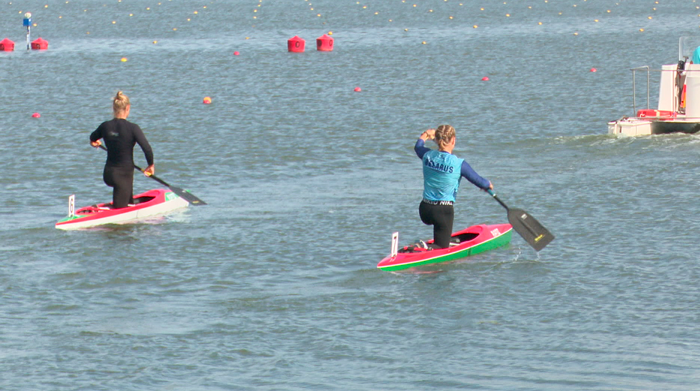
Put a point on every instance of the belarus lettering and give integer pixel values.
(439, 166)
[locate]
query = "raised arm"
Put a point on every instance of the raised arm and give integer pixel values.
(420, 147)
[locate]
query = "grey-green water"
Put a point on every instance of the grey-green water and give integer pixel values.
(274, 284)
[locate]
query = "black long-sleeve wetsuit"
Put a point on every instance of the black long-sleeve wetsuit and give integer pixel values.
(120, 136)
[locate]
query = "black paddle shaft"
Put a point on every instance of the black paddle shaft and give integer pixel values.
(534, 233)
(182, 193)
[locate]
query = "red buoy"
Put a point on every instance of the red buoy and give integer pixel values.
(296, 45)
(485, 78)
(324, 43)
(40, 44)
(6, 45)
(236, 53)
(358, 89)
(36, 115)
(594, 70)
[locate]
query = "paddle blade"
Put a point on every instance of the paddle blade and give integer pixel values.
(529, 228)
(187, 196)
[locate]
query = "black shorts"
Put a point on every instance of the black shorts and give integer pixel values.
(441, 217)
(122, 180)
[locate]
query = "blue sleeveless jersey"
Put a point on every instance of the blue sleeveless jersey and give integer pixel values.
(441, 176)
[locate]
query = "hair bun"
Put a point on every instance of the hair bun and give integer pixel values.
(120, 103)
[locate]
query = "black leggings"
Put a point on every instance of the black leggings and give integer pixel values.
(441, 217)
(122, 180)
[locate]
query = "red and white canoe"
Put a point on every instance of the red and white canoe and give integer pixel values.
(150, 203)
(473, 240)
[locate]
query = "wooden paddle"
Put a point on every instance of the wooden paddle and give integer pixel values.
(530, 229)
(182, 193)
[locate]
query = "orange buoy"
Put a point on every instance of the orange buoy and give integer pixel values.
(296, 45)
(324, 43)
(6, 45)
(206, 100)
(40, 44)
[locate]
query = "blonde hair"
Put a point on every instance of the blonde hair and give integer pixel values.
(121, 102)
(444, 135)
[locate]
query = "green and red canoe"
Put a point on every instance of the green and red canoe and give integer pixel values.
(151, 203)
(473, 240)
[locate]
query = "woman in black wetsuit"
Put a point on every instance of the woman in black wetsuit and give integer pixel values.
(120, 137)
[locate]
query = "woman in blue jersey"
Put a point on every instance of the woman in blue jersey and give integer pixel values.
(442, 172)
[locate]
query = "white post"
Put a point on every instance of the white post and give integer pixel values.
(28, 23)
(71, 205)
(669, 92)
(394, 244)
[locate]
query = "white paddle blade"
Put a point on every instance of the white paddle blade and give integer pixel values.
(394, 244)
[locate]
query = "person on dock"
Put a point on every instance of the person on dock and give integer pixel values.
(442, 173)
(120, 137)
(681, 76)
(696, 56)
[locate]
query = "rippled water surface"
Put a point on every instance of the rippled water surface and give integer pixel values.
(274, 284)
